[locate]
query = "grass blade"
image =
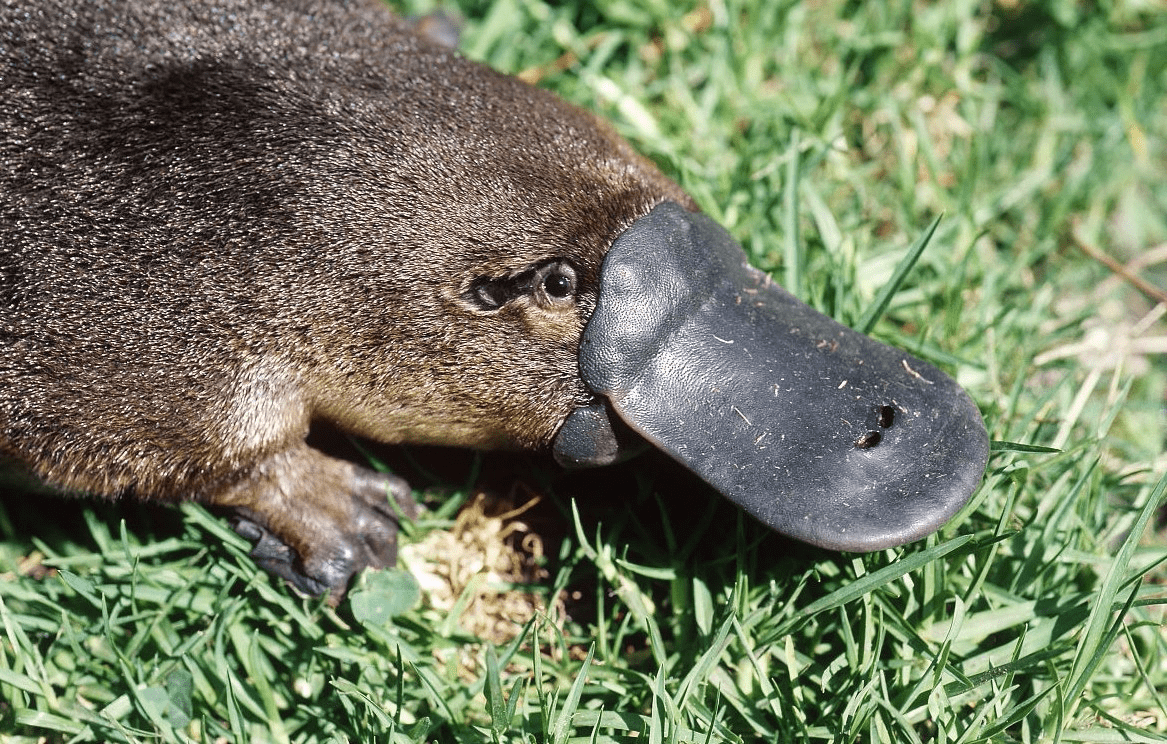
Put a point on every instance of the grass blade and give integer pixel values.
(1091, 646)
(883, 299)
(562, 727)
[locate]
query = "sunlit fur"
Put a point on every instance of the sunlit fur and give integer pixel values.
(220, 221)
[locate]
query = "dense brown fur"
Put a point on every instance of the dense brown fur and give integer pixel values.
(220, 221)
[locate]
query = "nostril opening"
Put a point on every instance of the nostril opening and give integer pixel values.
(887, 416)
(868, 440)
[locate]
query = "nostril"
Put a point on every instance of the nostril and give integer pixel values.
(868, 440)
(887, 416)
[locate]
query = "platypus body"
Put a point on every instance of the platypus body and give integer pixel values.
(223, 221)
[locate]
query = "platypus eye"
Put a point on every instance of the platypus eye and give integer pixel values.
(551, 285)
(559, 282)
(557, 285)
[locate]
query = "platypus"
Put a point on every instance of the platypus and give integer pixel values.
(224, 221)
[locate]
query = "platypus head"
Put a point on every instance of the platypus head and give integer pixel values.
(570, 297)
(818, 431)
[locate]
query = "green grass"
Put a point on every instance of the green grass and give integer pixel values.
(827, 137)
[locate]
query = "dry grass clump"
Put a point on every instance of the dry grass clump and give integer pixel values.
(479, 567)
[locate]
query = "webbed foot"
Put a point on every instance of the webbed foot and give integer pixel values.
(316, 521)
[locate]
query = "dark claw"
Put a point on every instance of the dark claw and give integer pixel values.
(363, 536)
(275, 556)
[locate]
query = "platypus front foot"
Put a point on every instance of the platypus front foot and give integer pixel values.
(316, 521)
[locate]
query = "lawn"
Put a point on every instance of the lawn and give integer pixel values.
(826, 137)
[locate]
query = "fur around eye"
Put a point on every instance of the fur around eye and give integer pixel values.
(554, 284)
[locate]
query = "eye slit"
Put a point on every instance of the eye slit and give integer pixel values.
(487, 293)
(868, 440)
(552, 284)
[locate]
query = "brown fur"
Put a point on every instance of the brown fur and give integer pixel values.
(220, 222)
